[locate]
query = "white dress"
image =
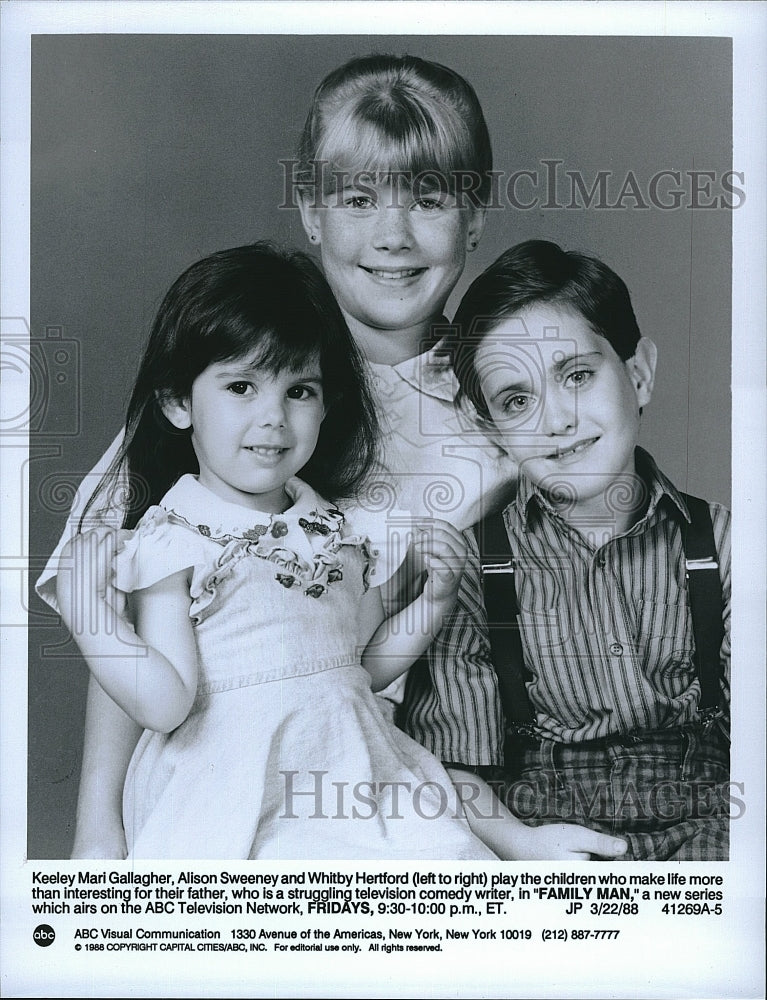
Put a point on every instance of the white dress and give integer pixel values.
(286, 752)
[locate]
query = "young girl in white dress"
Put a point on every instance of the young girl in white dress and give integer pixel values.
(251, 598)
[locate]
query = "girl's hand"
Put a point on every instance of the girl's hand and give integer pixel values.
(88, 600)
(399, 640)
(513, 840)
(443, 551)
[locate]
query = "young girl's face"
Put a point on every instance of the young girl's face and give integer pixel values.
(391, 255)
(252, 429)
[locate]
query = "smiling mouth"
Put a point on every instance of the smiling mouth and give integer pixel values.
(574, 450)
(391, 274)
(265, 452)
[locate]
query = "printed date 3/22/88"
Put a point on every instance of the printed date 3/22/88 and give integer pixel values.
(578, 934)
(622, 909)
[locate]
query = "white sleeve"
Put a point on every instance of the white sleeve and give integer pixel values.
(158, 548)
(100, 514)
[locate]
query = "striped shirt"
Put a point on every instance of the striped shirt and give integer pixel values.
(606, 630)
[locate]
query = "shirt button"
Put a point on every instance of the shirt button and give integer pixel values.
(616, 649)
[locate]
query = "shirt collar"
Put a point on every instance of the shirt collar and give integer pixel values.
(197, 505)
(429, 373)
(659, 485)
(530, 500)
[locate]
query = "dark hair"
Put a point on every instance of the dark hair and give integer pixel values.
(253, 298)
(399, 113)
(533, 272)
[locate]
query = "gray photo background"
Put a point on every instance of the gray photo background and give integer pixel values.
(151, 151)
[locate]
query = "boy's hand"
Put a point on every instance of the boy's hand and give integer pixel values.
(443, 551)
(565, 842)
(87, 598)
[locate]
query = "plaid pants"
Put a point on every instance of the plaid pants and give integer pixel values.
(666, 792)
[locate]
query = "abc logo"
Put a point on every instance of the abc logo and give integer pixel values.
(44, 935)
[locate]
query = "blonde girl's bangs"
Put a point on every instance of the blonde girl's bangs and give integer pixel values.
(380, 114)
(407, 145)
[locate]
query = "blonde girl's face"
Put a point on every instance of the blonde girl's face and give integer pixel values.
(391, 255)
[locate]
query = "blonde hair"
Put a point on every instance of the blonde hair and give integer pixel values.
(398, 115)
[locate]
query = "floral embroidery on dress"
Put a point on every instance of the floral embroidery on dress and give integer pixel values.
(313, 527)
(255, 532)
(305, 545)
(261, 540)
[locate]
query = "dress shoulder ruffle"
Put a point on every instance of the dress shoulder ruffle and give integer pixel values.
(160, 546)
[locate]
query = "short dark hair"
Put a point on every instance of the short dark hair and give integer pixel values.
(539, 271)
(249, 300)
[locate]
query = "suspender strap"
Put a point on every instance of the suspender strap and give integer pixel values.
(503, 619)
(705, 595)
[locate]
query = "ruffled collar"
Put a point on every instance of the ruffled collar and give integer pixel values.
(303, 543)
(215, 518)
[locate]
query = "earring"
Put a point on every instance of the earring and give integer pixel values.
(313, 237)
(473, 245)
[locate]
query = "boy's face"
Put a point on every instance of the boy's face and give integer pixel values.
(566, 406)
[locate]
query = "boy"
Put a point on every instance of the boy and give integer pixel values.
(616, 700)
